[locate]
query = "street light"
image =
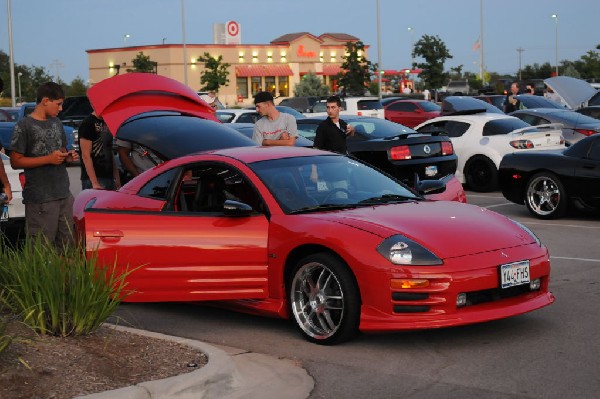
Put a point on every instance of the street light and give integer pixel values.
(555, 17)
(125, 37)
(412, 45)
(19, 79)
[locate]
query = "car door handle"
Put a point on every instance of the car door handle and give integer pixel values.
(108, 233)
(589, 166)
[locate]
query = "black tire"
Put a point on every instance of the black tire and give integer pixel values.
(481, 174)
(324, 300)
(545, 196)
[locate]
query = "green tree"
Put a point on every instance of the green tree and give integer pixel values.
(142, 63)
(78, 87)
(434, 53)
(589, 65)
(537, 71)
(356, 69)
(215, 72)
(311, 85)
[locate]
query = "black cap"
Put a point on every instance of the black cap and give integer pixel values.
(262, 96)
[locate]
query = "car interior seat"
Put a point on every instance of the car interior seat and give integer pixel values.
(288, 192)
(210, 194)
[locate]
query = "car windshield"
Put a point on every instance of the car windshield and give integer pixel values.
(574, 118)
(528, 101)
(328, 182)
(225, 117)
(369, 104)
(291, 111)
(379, 128)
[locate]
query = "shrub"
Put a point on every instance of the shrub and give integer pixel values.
(59, 292)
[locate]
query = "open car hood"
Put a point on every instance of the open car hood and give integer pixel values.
(574, 92)
(162, 115)
(121, 97)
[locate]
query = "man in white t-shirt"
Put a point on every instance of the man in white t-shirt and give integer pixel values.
(274, 128)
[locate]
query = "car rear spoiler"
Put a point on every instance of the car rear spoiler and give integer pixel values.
(547, 126)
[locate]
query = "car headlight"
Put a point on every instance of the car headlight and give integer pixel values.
(401, 250)
(526, 229)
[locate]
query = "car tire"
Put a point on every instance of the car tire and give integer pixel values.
(324, 299)
(481, 174)
(545, 196)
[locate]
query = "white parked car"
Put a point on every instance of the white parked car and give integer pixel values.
(14, 220)
(361, 106)
(480, 141)
(247, 115)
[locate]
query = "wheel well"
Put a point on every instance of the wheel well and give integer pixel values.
(311, 249)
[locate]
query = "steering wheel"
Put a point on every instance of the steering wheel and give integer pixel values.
(334, 191)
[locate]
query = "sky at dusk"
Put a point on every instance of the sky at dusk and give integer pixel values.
(56, 34)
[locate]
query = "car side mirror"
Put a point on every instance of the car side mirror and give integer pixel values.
(236, 208)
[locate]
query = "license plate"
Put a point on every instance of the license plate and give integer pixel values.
(4, 216)
(513, 274)
(431, 171)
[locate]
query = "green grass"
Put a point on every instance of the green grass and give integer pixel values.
(58, 292)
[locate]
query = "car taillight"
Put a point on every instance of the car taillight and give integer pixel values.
(586, 132)
(447, 148)
(22, 179)
(521, 144)
(400, 153)
(359, 113)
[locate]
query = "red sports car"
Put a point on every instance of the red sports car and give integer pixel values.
(411, 113)
(321, 238)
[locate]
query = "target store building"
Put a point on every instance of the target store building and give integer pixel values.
(276, 67)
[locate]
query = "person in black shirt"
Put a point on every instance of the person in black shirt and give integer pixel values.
(332, 132)
(511, 103)
(98, 166)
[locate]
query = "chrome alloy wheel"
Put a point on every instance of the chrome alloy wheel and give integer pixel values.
(317, 300)
(543, 196)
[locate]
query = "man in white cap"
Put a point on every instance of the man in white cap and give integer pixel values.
(211, 99)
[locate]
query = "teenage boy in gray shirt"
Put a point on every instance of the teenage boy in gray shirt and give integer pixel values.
(274, 128)
(38, 146)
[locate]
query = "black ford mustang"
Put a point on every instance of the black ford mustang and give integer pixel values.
(549, 181)
(396, 149)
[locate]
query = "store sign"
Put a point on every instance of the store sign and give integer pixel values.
(305, 54)
(232, 33)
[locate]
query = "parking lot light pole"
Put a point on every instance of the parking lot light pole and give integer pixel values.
(11, 55)
(19, 80)
(378, 54)
(412, 45)
(555, 17)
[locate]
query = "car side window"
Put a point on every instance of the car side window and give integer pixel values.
(403, 107)
(595, 150)
(307, 130)
(250, 117)
(158, 187)
(434, 127)
(456, 129)
(531, 119)
(204, 188)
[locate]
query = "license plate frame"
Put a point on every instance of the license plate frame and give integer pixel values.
(514, 274)
(431, 170)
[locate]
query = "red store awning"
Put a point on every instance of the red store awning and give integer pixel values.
(244, 71)
(331, 70)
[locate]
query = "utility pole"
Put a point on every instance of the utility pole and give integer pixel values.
(57, 64)
(520, 51)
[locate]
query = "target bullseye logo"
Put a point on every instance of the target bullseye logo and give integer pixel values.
(233, 28)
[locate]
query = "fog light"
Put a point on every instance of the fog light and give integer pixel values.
(397, 283)
(461, 300)
(535, 284)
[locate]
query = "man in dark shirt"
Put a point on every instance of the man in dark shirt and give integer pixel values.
(332, 132)
(511, 103)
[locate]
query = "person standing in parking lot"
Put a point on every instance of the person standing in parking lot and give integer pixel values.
(274, 128)
(38, 146)
(98, 165)
(511, 103)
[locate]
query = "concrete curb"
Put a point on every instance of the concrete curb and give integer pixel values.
(229, 374)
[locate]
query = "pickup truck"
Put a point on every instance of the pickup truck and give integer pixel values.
(7, 126)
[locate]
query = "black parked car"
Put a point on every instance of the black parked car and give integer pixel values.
(394, 148)
(547, 182)
(456, 105)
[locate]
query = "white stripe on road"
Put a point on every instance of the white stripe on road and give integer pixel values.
(581, 259)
